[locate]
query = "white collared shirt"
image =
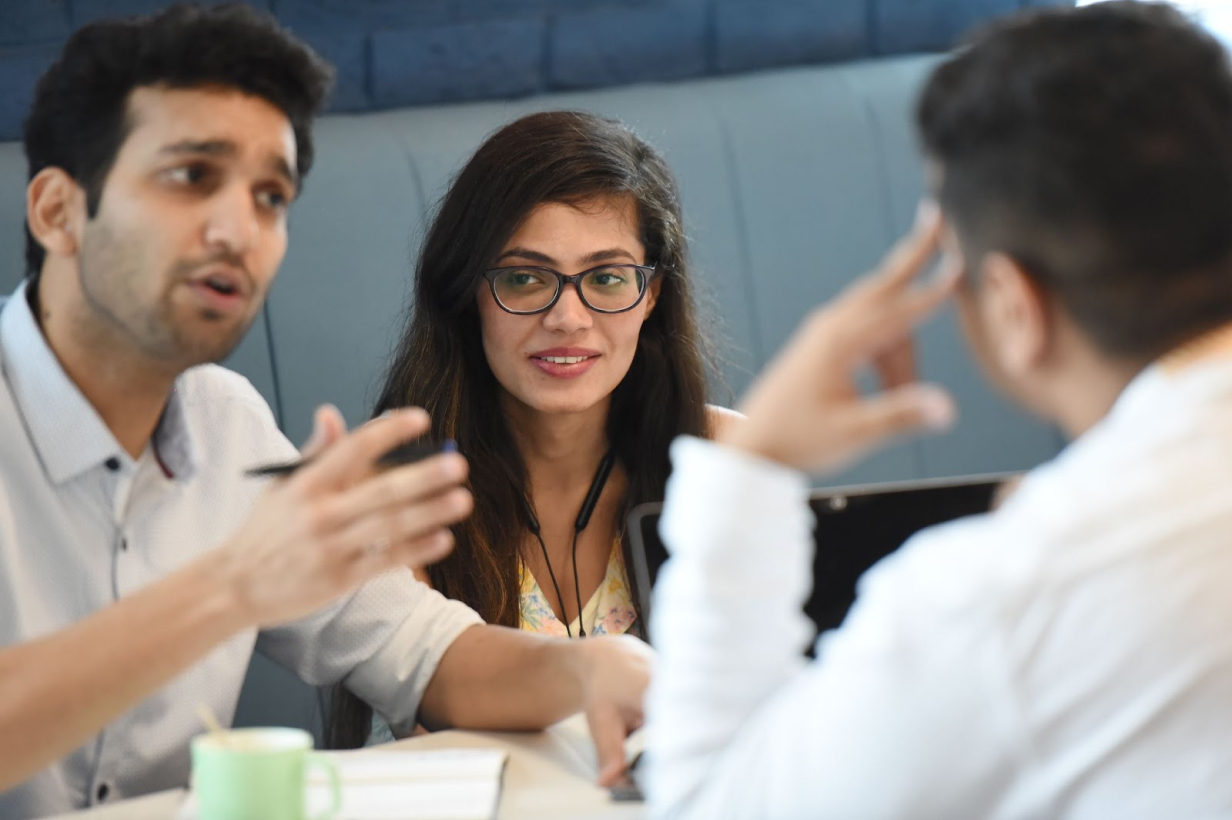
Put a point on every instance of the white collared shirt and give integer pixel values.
(1068, 656)
(82, 525)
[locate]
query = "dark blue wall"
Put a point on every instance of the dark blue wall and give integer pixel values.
(392, 53)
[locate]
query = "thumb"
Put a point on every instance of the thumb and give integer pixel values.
(607, 731)
(327, 427)
(911, 408)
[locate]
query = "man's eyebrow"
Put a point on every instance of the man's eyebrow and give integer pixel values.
(227, 148)
(217, 148)
(278, 164)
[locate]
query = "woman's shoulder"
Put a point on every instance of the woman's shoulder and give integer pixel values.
(719, 419)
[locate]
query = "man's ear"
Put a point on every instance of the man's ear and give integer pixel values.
(1016, 314)
(55, 211)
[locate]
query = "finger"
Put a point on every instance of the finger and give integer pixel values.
(608, 732)
(421, 551)
(909, 255)
(429, 549)
(392, 528)
(333, 425)
(354, 457)
(911, 307)
(874, 421)
(880, 310)
(404, 485)
(327, 427)
(879, 329)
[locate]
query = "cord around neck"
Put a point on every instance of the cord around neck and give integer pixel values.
(583, 518)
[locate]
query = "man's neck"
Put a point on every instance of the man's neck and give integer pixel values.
(128, 393)
(1092, 383)
(1085, 398)
(1082, 384)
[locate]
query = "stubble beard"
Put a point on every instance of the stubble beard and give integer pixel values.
(110, 279)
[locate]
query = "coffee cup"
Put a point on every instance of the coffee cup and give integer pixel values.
(258, 774)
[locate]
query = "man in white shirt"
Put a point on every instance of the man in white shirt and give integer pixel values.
(139, 566)
(1070, 654)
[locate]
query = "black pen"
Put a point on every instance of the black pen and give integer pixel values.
(407, 453)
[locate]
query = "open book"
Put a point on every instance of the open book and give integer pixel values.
(404, 784)
(412, 784)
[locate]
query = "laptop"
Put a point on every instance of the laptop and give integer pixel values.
(856, 528)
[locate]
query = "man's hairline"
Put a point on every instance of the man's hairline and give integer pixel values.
(129, 122)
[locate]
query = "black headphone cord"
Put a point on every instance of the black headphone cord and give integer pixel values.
(577, 588)
(556, 587)
(588, 506)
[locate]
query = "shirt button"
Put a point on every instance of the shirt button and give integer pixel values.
(112, 464)
(102, 791)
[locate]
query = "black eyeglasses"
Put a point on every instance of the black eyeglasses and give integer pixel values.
(606, 289)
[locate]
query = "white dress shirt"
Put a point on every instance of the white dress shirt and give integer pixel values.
(82, 525)
(1068, 656)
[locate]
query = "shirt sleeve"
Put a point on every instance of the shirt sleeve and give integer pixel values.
(384, 642)
(894, 718)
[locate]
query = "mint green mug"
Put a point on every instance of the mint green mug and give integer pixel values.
(257, 774)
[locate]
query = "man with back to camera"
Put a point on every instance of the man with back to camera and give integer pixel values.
(1069, 655)
(138, 565)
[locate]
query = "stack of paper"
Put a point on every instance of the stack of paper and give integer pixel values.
(429, 784)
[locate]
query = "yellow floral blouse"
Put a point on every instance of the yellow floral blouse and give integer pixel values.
(610, 610)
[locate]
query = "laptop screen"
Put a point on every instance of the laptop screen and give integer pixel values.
(856, 528)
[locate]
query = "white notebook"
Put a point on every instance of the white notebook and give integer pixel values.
(411, 784)
(427, 784)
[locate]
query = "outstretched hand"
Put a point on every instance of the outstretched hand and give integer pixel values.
(341, 520)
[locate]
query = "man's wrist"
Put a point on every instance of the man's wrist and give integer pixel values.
(747, 441)
(745, 438)
(213, 584)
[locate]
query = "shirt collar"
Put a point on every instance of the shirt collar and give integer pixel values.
(66, 430)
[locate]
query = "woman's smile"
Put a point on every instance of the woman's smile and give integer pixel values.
(565, 362)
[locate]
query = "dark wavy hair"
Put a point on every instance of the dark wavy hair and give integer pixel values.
(567, 157)
(1094, 146)
(78, 120)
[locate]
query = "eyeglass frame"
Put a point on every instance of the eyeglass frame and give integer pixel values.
(651, 272)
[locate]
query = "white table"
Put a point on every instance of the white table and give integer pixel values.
(550, 775)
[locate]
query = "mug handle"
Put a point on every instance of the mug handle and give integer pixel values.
(335, 784)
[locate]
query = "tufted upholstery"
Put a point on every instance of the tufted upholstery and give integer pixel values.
(793, 181)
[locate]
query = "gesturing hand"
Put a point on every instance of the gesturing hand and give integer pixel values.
(340, 520)
(806, 411)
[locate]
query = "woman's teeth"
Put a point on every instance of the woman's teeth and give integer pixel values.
(565, 359)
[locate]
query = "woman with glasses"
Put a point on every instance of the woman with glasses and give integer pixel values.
(553, 338)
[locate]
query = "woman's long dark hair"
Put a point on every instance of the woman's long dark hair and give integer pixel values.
(559, 156)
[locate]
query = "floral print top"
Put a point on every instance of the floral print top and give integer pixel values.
(610, 610)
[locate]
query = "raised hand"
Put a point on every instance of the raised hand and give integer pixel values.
(806, 410)
(341, 520)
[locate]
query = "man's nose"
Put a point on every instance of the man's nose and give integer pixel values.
(232, 225)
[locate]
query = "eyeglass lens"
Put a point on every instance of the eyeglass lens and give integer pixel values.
(611, 288)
